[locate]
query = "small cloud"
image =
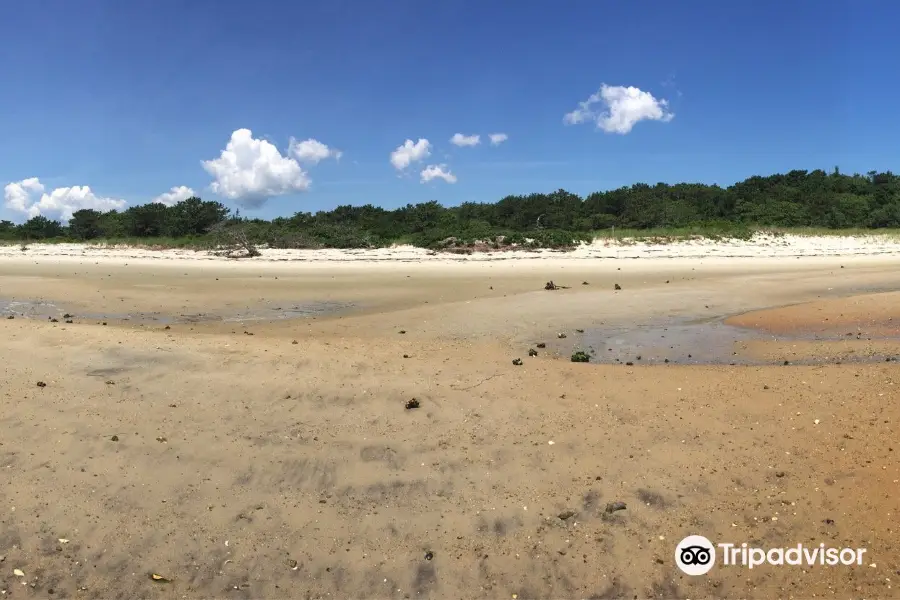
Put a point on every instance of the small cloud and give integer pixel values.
(498, 138)
(312, 151)
(29, 198)
(250, 171)
(175, 195)
(671, 83)
(437, 172)
(623, 107)
(410, 152)
(461, 140)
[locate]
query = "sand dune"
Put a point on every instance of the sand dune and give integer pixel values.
(760, 246)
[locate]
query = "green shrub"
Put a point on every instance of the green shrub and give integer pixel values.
(580, 356)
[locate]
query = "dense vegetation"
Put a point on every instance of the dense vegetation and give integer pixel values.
(795, 199)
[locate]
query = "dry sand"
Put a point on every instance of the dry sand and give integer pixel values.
(249, 466)
(761, 245)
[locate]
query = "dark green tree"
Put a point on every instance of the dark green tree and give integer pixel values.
(85, 224)
(147, 220)
(194, 217)
(112, 225)
(40, 228)
(798, 198)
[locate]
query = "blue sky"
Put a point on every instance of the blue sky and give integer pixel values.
(129, 97)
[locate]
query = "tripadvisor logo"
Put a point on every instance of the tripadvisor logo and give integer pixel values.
(696, 555)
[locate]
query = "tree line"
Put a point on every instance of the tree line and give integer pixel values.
(794, 199)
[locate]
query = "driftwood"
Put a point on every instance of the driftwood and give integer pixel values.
(231, 241)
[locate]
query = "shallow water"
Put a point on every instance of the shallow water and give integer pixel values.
(44, 309)
(679, 343)
(32, 309)
(292, 311)
(688, 342)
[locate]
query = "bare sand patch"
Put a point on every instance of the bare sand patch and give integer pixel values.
(235, 462)
(864, 316)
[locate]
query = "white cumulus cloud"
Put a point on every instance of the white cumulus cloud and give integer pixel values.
(250, 171)
(461, 140)
(30, 198)
(175, 195)
(498, 138)
(437, 172)
(621, 108)
(410, 152)
(312, 151)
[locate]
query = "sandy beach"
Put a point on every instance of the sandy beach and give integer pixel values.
(761, 245)
(240, 428)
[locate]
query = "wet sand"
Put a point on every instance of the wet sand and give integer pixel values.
(244, 457)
